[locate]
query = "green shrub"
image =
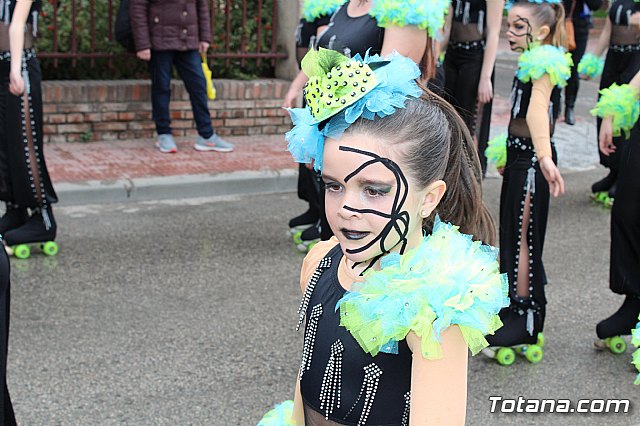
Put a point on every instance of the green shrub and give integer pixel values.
(121, 65)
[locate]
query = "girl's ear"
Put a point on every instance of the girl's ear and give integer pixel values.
(543, 33)
(432, 198)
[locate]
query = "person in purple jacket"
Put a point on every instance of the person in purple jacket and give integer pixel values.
(168, 33)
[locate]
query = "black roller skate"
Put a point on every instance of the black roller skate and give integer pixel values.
(39, 228)
(308, 238)
(521, 334)
(300, 223)
(603, 191)
(611, 330)
(13, 218)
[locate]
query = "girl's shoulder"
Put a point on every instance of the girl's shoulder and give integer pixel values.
(448, 280)
(426, 15)
(313, 258)
(545, 59)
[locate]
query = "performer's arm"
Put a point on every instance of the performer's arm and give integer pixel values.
(408, 41)
(16, 40)
(539, 129)
(439, 387)
(492, 29)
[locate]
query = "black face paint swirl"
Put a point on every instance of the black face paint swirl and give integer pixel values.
(398, 220)
(526, 34)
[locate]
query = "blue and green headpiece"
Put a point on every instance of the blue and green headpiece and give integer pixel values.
(342, 90)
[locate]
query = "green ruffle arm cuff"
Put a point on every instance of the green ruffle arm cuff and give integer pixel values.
(448, 280)
(620, 103)
(280, 415)
(496, 151)
(424, 14)
(545, 59)
(591, 65)
(313, 9)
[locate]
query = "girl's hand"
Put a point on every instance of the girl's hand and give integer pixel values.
(500, 170)
(291, 98)
(16, 83)
(605, 138)
(485, 90)
(552, 175)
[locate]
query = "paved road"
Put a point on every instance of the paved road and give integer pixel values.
(183, 312)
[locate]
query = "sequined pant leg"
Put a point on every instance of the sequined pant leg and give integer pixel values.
(23, 170)
(522, 176)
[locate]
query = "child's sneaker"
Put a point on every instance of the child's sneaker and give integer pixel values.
(213, 143)
(166, 144)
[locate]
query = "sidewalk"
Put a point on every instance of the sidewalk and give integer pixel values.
(134, 170)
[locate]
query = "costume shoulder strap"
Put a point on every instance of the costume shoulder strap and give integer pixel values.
(313, 9)
(424, 14)
(545, 59)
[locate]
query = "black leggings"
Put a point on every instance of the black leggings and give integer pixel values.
(462, 75)
(573, 84)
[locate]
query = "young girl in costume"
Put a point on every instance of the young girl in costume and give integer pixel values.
(621, 38)
(474, 32)
(25, 185)
(619, 108)
(380, 27)
(393, 302)
(530, 174)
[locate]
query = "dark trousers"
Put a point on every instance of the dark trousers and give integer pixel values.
(6, 408)
(24, 178)
(189, 68)
(573, 84)
(625, 221)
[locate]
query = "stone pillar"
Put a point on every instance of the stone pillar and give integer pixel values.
(288, 18)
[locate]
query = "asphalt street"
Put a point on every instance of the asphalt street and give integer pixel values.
(183, 311)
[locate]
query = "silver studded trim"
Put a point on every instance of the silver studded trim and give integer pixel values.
(310, 339)
(26, 55)
(368, 389)
(407, 408)
(332, 380)
(304, 304)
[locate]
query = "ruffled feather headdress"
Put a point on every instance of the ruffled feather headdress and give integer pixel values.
(340, 91)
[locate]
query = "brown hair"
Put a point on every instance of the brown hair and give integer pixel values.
(551, 15)
(440, 147)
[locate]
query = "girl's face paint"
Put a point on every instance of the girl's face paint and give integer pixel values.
(520, 28)
(372, 207)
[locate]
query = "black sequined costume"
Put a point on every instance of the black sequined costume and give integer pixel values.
(24, 179)
(463, 66)
(524, 319)
(332, 391)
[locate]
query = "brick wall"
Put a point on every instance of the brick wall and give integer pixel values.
(109, 110)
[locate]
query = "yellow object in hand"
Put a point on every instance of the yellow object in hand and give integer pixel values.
(211, 89)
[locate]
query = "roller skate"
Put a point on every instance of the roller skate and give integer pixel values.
(300, 223)
(507, 355)
(39, 229)
(604, 191)
(14, 217)
(602, 198)
(611, 330)
(521, 334)
(308, 238)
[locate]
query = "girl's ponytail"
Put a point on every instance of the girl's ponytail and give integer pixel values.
(462, 202)
(558, 33)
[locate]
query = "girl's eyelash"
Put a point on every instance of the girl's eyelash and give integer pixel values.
(375, 192)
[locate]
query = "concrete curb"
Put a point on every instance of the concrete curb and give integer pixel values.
(171, 187)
